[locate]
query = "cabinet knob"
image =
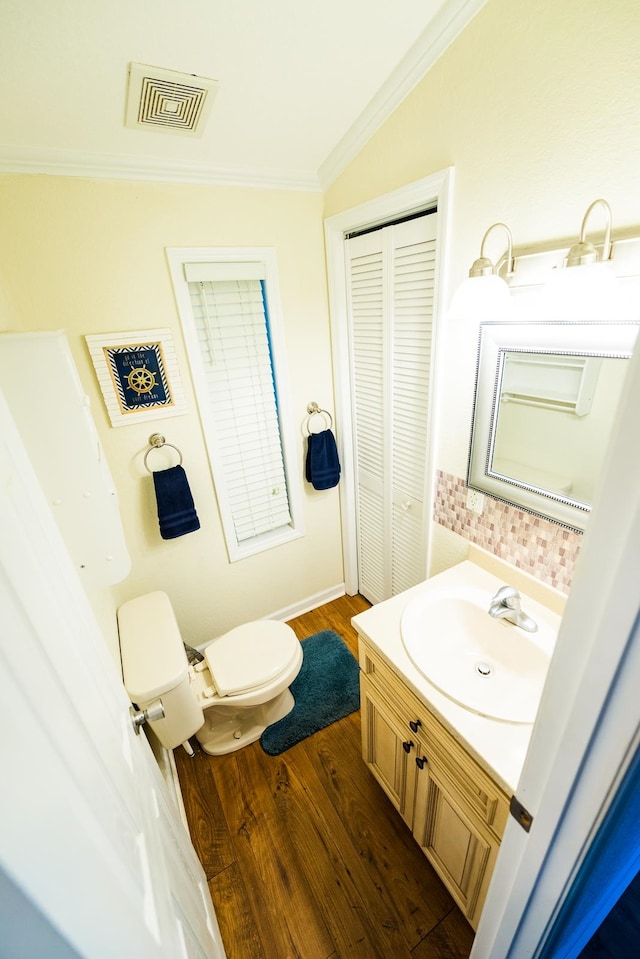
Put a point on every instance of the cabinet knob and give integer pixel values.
(421, 761)
(407, 746)
(415, 725)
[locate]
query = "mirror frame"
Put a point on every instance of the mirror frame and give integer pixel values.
(614, 340)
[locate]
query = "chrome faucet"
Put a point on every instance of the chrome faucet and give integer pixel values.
(506, 605)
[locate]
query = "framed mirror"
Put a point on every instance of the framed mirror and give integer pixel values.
(545, 404)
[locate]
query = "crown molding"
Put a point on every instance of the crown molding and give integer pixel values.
(74, 163)
(447, 24)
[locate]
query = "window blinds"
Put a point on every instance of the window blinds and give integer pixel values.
(231, 321)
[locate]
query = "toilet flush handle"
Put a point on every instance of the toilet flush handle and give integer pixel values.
(139, 717)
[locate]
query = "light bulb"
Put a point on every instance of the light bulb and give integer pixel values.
(481, 298)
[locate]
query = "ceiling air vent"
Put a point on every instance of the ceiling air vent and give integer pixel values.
(167, 101)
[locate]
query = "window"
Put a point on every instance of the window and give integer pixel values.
(228, 303)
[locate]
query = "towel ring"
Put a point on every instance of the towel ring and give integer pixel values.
(157, 441)
(314, 410)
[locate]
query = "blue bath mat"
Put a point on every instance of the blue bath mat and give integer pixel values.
(326, 689)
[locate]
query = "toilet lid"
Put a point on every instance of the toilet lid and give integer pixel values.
(250, 656)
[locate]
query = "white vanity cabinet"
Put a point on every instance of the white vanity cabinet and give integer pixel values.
(456, 811)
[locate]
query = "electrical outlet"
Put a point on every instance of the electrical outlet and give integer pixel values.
(475, 501)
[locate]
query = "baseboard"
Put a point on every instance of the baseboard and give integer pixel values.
(306, 605)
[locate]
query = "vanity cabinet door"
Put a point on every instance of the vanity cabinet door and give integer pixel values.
(388, 748)
(453, 838)
(456, 812)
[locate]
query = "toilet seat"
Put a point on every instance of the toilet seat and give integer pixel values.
(251, 656)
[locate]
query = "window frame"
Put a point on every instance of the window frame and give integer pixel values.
(177, 258)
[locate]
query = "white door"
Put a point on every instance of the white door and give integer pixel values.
(94, 859)
(390, 282)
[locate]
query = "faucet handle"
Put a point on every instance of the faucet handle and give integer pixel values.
(508, 596)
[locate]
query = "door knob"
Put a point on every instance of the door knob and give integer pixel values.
(407, 746)
(139, 717)
(415, 725)
(421, 762)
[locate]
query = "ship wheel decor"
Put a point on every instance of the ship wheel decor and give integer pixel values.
(138, 375)
(141, 380)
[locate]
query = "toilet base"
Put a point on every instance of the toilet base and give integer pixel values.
(227, 728)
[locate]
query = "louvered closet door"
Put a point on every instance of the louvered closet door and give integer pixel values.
(368, 375)
(391, 281)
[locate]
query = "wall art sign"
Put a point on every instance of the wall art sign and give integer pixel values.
(138, 374)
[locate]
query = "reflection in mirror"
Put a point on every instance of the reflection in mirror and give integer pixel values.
(545, 405)
(553, 415)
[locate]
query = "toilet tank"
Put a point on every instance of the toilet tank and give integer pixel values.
(155, 666)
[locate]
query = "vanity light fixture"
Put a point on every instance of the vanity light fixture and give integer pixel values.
(484, 295)
(584, 252)
(591, 293)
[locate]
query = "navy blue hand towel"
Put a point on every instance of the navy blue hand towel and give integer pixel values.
(323, 465)
(176, 510)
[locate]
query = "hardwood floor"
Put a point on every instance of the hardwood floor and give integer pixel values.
(305, 856)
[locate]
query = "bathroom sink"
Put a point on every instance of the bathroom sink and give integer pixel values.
(487, 665)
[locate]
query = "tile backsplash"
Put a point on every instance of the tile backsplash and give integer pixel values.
(538, 546)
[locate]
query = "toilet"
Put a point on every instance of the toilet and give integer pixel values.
(226, 701)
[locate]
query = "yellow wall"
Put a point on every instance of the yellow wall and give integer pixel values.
(536, 107)
(88, 256)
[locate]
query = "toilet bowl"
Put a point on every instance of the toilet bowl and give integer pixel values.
(226, 701)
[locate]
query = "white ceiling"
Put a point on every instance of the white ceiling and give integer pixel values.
(302, 85)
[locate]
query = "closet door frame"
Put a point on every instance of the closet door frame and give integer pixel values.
(432, 191)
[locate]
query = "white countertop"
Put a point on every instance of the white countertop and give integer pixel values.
(499, 747)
